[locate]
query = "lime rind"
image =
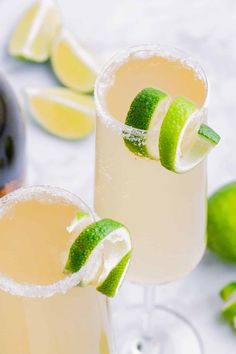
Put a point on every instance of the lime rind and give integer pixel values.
(146, 113)
(234, 323)
(228, 291)
(81, 214)
(82, 249)
(209, 134)
(79, 223)
(229, 311)
(172, 130)
(112, 282)
(97, 251)
(228, 294)
(174, 133)
(184, 140)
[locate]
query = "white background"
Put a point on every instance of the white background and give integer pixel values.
(206, 29)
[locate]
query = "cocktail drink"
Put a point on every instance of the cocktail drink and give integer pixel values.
(164, 211)
(41, 308)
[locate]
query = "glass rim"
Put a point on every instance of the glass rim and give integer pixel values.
(141, 51)
(9, 285)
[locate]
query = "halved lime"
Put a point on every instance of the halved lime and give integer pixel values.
(101, 252)
(73, 65)
(62, 112)
(33, 35)
(146, 113)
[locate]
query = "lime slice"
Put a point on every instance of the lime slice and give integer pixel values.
(184, 141)
(221, 226)
(73, 65)
(102, 253)
(62, 112)
(146, 112)
(32, 38)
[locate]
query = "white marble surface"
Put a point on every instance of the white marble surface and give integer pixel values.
(204, 28)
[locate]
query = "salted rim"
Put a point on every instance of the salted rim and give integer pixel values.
(13, 287)
(106, 79)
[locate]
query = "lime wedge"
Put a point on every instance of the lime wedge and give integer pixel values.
(146, 113)
(102, 253)
(62, 112)
(33, 36)
(73, 65)
(184, 140)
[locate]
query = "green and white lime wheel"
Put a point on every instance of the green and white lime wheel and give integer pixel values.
(184, 139)
(62, 112)
(72, 63)
(146, 113)
(101, 253)
(33, 36)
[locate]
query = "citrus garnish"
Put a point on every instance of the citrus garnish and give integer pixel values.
(174, 132)
(221, 227)
(62, 112)
(146, 113)
(112, 282)
(228, 291)
(102, 253)
(73, 65)
(33, 36)
(184, 140)
(228, 294)
(80, 222)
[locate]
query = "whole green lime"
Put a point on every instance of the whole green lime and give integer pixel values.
(221, 226)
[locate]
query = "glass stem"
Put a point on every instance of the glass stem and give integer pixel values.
(149, 303)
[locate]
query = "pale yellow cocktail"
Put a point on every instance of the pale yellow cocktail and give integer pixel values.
(165, 212)
(42, 310)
